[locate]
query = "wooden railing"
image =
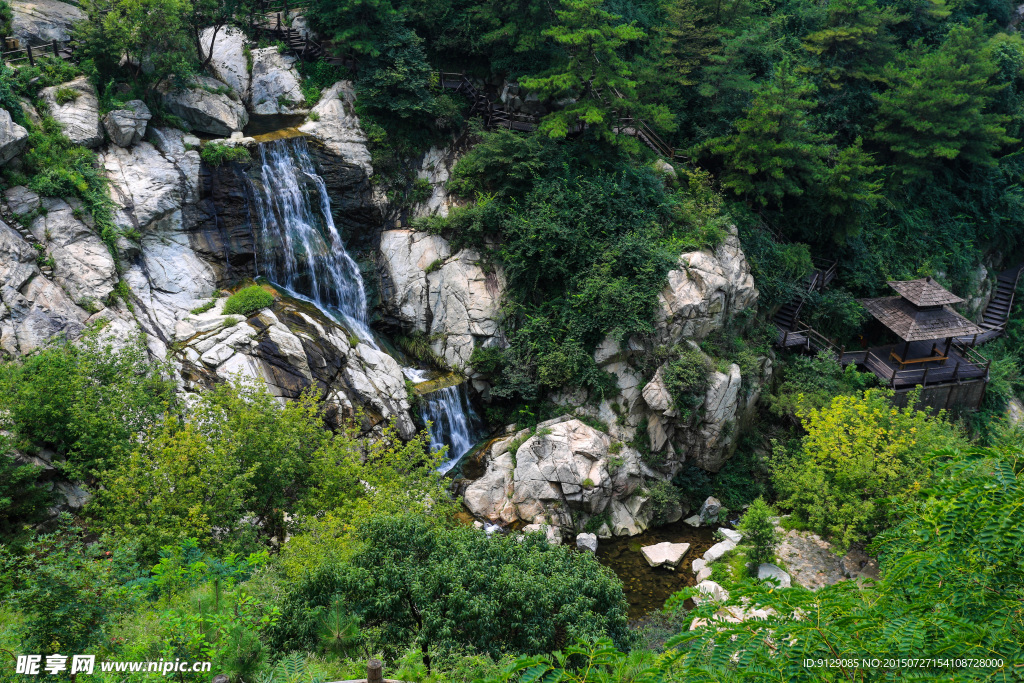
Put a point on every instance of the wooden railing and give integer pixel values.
(13, 52)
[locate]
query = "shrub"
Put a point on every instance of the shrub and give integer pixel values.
(759, 533)
(248, 301)
(687, 379)
(860, 458)
(216, 153)
(204, 308)
(65, 95)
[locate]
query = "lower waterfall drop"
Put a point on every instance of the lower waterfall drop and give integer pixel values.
(453, 422)
(297, 244)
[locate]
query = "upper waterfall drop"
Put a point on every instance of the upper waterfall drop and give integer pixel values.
(297, 244)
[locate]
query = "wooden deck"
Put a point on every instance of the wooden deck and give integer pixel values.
(963, 364)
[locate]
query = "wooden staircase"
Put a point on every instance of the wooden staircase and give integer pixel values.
(997, 313)
(790, 333)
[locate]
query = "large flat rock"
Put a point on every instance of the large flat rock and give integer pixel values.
(42, 21)
(665, 554)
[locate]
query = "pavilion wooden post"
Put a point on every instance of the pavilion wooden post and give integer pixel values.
(374, 671)
(906, 350)
(949, 343)
(56, 52)
(924, 378)
(31, 61)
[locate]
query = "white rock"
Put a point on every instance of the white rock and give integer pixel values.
(697, 565)
(275, 87)
(706, 290)
(710, 590)
(771, 571)
(79, 117)
(205, 107)
(665, 554)
(709, 510)
(13, 138)
(465, 301)
(337, 126)
(732, 535)
(228, 60)
(551, 533)
(406, 255)
(716, 551)
(127, 126)
(587, 542)
(704, 574)
(693, 521)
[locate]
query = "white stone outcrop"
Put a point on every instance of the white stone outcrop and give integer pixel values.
(43, 21)
(718, 550)
(562, 474)
(337, 126)
(465, 301)
(78, 116)
(708, 288)
(665, 554)
(206, 106)
(13, 138)
(227, 61)
(126, 127)
(407, 255)
(435, 168)
(276, 87)
(83, 266)
(32, 308)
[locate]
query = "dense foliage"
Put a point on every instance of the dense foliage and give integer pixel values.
(248, 301)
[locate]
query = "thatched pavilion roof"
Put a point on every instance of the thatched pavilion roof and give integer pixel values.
(912, 323)
(925, 292)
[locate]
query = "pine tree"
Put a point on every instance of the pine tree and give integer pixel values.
(940, 106)
(855, 43)
(686, 40)
(593, 77)
(759, 533)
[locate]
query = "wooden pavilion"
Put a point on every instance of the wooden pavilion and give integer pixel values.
(928, 355)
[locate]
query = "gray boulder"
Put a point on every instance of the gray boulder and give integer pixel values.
(42, 21)
(128, 126)
(206, 106)
(337, 126)
(13, 138)
(79, 116)
(276, 86)
(717, 551)
(587, 542)
(709, 510)
(228, 60)
(771, 571)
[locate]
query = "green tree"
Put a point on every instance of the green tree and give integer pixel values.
(759, 533)
(686, 40)
(855, 43)
(88, 402)
(859, 455)
(234, 454)
(592, 73)
(23, 498)
(355, 25)
(437, 588)
(939, 108)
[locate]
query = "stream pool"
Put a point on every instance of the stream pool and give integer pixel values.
(646, 587)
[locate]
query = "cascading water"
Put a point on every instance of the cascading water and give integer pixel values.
(298, 246)
(451, 417)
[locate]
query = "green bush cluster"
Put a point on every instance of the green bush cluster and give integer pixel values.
(687, 377)
(216, 153)
(248, 301)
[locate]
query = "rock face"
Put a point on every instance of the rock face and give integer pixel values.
(435, 168)
(707, 289)
(407, 256)
(337, 126)
(127, 126)
(84, 268)
(32, 308)
(79, 116)
(13, 138)
(43, 21)
(206, 106)
(276, 86)
(563, 474)
(228, 61)
(665, 554)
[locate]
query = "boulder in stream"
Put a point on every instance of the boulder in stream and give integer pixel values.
(665, 554)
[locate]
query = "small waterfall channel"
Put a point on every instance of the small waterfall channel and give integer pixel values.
(298, 246)
(453, 422)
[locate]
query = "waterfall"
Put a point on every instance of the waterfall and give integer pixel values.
(298, 246)
(453, 422)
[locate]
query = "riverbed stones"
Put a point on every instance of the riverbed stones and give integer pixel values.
(665, 554)
(587, 542)
(13, 138)
(715, 552)
(732, 535)
(74, 105)
(693, 521)
(770, 571)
